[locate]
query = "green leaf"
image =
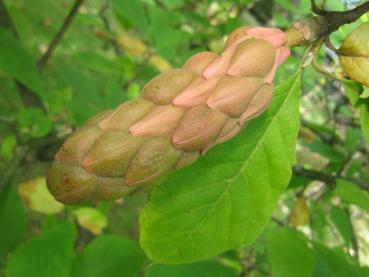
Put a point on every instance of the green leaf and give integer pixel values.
(132, 11)
(200, 269)
(173, 4)
(98, 62)
(22, 24)
(91, 219)
(352, 194)
(13, 220)
(365, 93)
(325, 150)
(113, 94)
(342, 222)
(226, 198)
(15, 61)
(109, 255)
(334, 263)
(7, 147)
(364, 122)
(34, 122)
(37, 197)
(353, 92)
(320, 225)
(289, 253)
(353, 135)
(86, 100)
(49, 254)
(166, 38)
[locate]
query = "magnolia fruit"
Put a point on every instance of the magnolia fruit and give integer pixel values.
(354, 55)
(180, 115)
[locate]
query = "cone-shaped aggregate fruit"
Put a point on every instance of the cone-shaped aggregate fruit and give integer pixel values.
(354, 55)
(179, 116)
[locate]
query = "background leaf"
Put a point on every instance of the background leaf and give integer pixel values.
(54, 254)
(365, 124)
(15, 61)
(352, 194)
(342, 223)
(37, 197)
(200, 269)
(109, 255)
(334, 263)
(132, 11)
(289, 253)
(13, 220)
(91, 219)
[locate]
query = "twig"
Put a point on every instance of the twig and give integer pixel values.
(322, 25)
(59, 35)
(280, 223)
(329, 179)
(315, 62)
(337, 19)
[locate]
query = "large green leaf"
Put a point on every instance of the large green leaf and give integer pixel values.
(289, 253)
(15, 61)
(13, 220)
(352, 194)
(200, 269)
(109, 255)
(49, 254)
(226, 198)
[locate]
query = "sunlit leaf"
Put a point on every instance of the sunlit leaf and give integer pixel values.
(226, 198)
(91, 219)
(37, 197)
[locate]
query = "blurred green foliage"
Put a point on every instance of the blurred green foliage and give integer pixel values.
(110, 50)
